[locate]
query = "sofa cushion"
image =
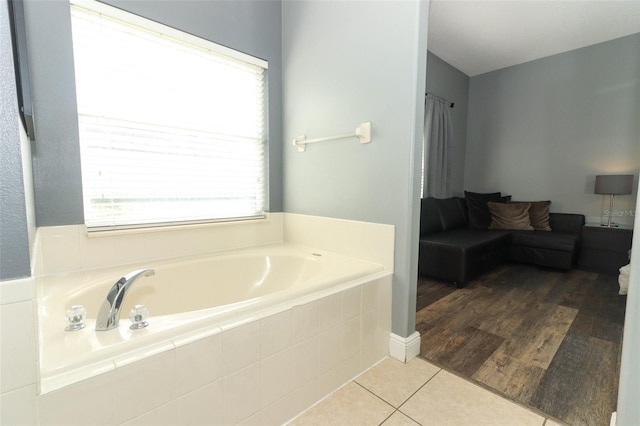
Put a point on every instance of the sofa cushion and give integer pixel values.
(546, 240)
(566, 222)
(459, 255)
(429, 217)
(539, 214)
(479, 216)
(510, 216)
(452, 214)
(468, 239)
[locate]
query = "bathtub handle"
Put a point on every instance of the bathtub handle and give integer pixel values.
(109, 315)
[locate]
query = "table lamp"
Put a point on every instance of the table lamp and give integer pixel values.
(613, 185)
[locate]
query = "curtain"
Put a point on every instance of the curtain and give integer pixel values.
(438, 137)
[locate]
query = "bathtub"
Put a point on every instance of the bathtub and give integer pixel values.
(188, 299)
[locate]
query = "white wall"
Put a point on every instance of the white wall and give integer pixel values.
(544, 129)
(629, 389)
(345, 63)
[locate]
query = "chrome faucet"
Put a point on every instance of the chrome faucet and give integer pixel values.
(109, 315)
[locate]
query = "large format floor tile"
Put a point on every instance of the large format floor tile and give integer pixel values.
(349, 405)
(395, 381)
(450, 400)
(399, 419)
(416, 393)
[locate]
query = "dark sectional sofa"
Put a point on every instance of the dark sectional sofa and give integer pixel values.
(452, 249)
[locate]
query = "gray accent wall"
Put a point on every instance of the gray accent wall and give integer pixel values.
(56, 151)
(250, 26)
(346, 63)
(542, 130)
(14, 234)
(452, 84)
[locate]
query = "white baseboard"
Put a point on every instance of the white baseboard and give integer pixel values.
(613, 418)
(404, 348)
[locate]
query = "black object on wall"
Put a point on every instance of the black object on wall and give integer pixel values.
(21, 65)
(451, 104)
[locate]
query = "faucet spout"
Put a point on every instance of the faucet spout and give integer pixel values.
(109, 315)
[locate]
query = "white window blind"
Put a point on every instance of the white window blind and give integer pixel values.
(172, 127)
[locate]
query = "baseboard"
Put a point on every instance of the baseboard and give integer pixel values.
(613, 418)
(404, 348)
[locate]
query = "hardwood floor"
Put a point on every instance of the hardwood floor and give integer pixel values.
(548, 339)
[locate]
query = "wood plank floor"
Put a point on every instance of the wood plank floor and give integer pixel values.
(547, 339)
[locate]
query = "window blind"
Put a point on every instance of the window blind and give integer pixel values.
(172, 127)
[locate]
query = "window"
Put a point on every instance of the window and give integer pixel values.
(172, 127)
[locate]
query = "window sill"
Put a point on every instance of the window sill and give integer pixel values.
(97, 233)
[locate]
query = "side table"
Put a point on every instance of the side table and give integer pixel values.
(605, 249)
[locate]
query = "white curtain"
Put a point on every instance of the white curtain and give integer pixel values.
(438, 137)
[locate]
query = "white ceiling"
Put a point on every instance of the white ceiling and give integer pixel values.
(478, 36)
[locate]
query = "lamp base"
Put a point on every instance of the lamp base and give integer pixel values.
(610, 225)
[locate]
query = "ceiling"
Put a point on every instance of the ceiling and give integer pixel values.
(478, 36)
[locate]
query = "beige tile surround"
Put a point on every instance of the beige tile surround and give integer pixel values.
(416, 393)
(180, 386)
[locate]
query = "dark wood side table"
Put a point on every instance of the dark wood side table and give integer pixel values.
(605, 249)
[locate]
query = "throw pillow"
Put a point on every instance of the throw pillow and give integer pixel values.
(479, 216)
(451, 214)
(513, 216)
(539, 214)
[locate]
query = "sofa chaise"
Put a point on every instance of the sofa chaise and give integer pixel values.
(462, 238)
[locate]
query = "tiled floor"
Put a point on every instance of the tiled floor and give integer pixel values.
(416, 393)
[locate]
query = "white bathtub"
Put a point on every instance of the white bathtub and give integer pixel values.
(188, 299)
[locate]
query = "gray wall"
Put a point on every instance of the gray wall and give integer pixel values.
(345, 64)
(544, 129)
(250, 26)
(452, 84)
(14, 236)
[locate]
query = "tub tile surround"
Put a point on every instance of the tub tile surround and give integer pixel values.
(18, 407)
(17, 371)
(182, 386)
(362, 240)
(64, 249)
(198, 363)
(263, 388)
(18, 361)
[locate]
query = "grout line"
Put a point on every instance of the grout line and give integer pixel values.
(380, 398)
(403, 402)
(409, 417)
(418, 390)
(413, 394)
(376, 395)
(387, 418)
